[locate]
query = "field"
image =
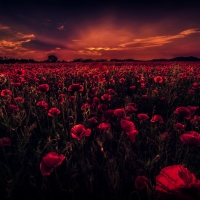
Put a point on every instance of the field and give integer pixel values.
(124, 131)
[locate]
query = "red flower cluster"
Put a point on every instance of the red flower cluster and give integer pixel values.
(12, 108)
(157, 118)
(76, 87)
(6, 93)
(43, 88)
(61, 98)
(5, 141)
(53, 112)
(19, 99)
(142, 117)
(174, 180)
(158, 79)
(129, 128)
(106, 97)
(142, 183)
(119, 113)
(183, 111)
(42, 104)
(179, 127)
(104, 126)
(78, 131)
(49, 162)
(191, 137)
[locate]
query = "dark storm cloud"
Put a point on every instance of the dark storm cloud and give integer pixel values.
(40, 45)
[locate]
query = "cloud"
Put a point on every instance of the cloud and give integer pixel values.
(12, 42)
(61, 28)
(41, 45)
(158, 40)
(4, 27)
(90, 53)
(103, 48)
(52, 51)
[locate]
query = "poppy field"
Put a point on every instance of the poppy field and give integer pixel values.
(124, 131)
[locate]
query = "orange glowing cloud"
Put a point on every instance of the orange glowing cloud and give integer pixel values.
(158, 40)
(11, 44)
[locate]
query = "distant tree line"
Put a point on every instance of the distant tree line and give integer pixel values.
(53, 59)
(5, 60)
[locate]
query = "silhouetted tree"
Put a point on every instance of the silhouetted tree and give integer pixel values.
(52, 58)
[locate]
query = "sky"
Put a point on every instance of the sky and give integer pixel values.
(72, 29)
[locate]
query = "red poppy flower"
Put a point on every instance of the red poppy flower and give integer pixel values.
(162, 99)
(12, 107)
(144, 96)
(78, 131)
(195, 120)
(132, 135)
(119, 113)
(158, 79)
(5, 141)
(173, 181)
(17, 84)
(61, 98)
(164, 136)
(6, 93)
(142, 183)
(195, 85)
(85, 105)
(192, 109)
(49, 162)
(191, 91)
(104, 126)
(183, 111)
(35, 79)
(179, 127)
(107, 115)
(42, 104)
(76, 87)
(130, 109)
(143, 85)
(157, 118)
(93, 91)
(106, 97)
(95, 102)
(132, 104)
(122, 80)
(129, 128)
(20, 71)
(53, 112)
(93, 120)
(111, 81)
(19, 99)
(133, 87)
(43, 88)
(72, 98)
(111, 91)
(155, 92)
(102, 107)
(142, 117)
(191, 137)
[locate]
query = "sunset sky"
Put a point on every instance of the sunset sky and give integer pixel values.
(99, 29)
